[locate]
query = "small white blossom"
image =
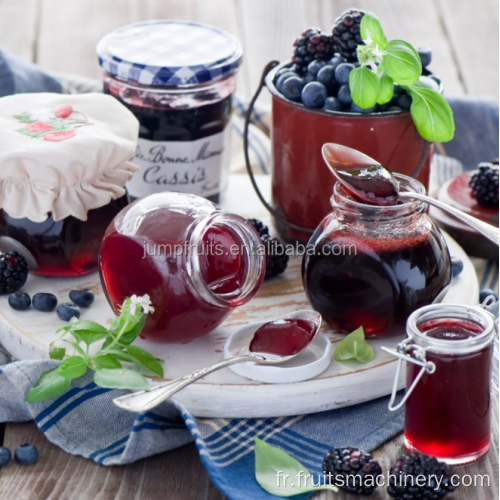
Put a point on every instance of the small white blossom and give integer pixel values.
(43, 115)
(144, 302)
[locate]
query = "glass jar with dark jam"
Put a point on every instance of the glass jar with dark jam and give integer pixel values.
(372, 266)
(177, 78)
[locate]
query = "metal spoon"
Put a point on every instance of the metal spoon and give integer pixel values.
(146, 400)
(339, 158)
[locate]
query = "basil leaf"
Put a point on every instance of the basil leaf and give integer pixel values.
(57, 352)
(119, 378)
(354, 347)
(364, 87)
(78, 349)
(431, 114)
(370, 28)
(72, 367)
(125, 357)
(89, 337)
(50, 385)
(385, 88)
(279, 474)
(402, 62)
(146, 359)
(135, 329)
(106, 361)
(90, 326)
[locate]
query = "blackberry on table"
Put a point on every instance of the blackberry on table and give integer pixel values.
(13, 272)
(403, 482)
(260, 227)
(346, 33)
(313, 44)
(484, 184)
(276, 259)
(352, 470)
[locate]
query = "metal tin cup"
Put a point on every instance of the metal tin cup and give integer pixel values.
(448, 372)
(178, 78)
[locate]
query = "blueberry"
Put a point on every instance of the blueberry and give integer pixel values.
(45, 302)
(20, 301)
(344, 95)
(307, 78)
(425, 55)
(332, 104)
(5, 456)
(282, 79)
(68, 311)
(291, 89)
(342, 72)
(26, 454)
(326, 77)
(336, 60)
(381, 108)
(397, 92)
(82, 298)
(365, 111)
(485, 292)
(457, 266)
(404, 101)
(314, 66)
(394, 109)
(314, 95)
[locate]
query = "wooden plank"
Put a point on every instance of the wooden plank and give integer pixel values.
(473, 30)
(178, 474)
(269, 29)
(69, 31)
(18, 24)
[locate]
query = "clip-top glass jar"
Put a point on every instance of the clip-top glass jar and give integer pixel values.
(196, 262)
(177, 78)
(373, 266)
(448, 372)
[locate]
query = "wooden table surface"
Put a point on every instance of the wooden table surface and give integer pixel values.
(61, 35)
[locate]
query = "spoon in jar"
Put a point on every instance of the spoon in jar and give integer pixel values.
(273, 343)
(372, 183)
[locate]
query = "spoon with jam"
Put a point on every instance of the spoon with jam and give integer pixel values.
(373, 184)
(273, 343)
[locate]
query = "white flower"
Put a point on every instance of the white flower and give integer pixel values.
(144, 302)
(43, 115)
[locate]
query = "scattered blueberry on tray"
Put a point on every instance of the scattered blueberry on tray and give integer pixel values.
(45, 302)
(457, 266)
(20, 301)
(82, 298)
(68, 311)
(26, 454)
(486, 292)
(5, 456)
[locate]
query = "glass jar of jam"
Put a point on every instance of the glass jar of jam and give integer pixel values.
(177, 78)
(448, 371)
(196, 262)
(372, 266)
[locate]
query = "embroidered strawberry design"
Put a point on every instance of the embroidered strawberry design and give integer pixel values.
(59, 136)
(63, 111)
(38, 127)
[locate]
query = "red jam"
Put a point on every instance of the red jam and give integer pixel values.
(283, 337)
(448, 412)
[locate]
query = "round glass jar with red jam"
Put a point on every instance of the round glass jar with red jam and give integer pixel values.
(196, 262)
(448, 382)
(372, 266)
(177, 78)
(64, 162)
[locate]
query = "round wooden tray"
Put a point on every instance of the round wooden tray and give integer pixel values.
(224, 394)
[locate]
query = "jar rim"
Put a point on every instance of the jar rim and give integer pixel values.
(474, 314)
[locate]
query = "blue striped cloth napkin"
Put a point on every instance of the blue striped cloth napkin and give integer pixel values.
(85, 422)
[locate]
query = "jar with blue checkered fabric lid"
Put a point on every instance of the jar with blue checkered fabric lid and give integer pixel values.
(177, 78)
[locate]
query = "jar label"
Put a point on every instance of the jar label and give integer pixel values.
(198, 167)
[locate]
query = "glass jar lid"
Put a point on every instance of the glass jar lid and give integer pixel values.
(169, 53)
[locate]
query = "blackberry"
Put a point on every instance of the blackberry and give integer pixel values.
(484, 184)
(276, 259)
(313, 44)
(407, 475)
(352, 470)
(346, 34)
(261, 228)
(13, 272)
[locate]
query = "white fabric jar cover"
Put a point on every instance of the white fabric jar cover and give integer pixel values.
(63, 154)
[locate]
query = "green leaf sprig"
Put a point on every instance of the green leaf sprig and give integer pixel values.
(116, 364)
(354, 347)
(384, 63)
(281, 475)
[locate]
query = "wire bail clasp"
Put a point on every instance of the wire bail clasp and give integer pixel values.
(418, 358)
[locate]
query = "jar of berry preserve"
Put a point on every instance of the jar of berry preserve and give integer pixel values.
(372, 266)
(195, 261)
(64, 161)
(447, 403)
(177, 77)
